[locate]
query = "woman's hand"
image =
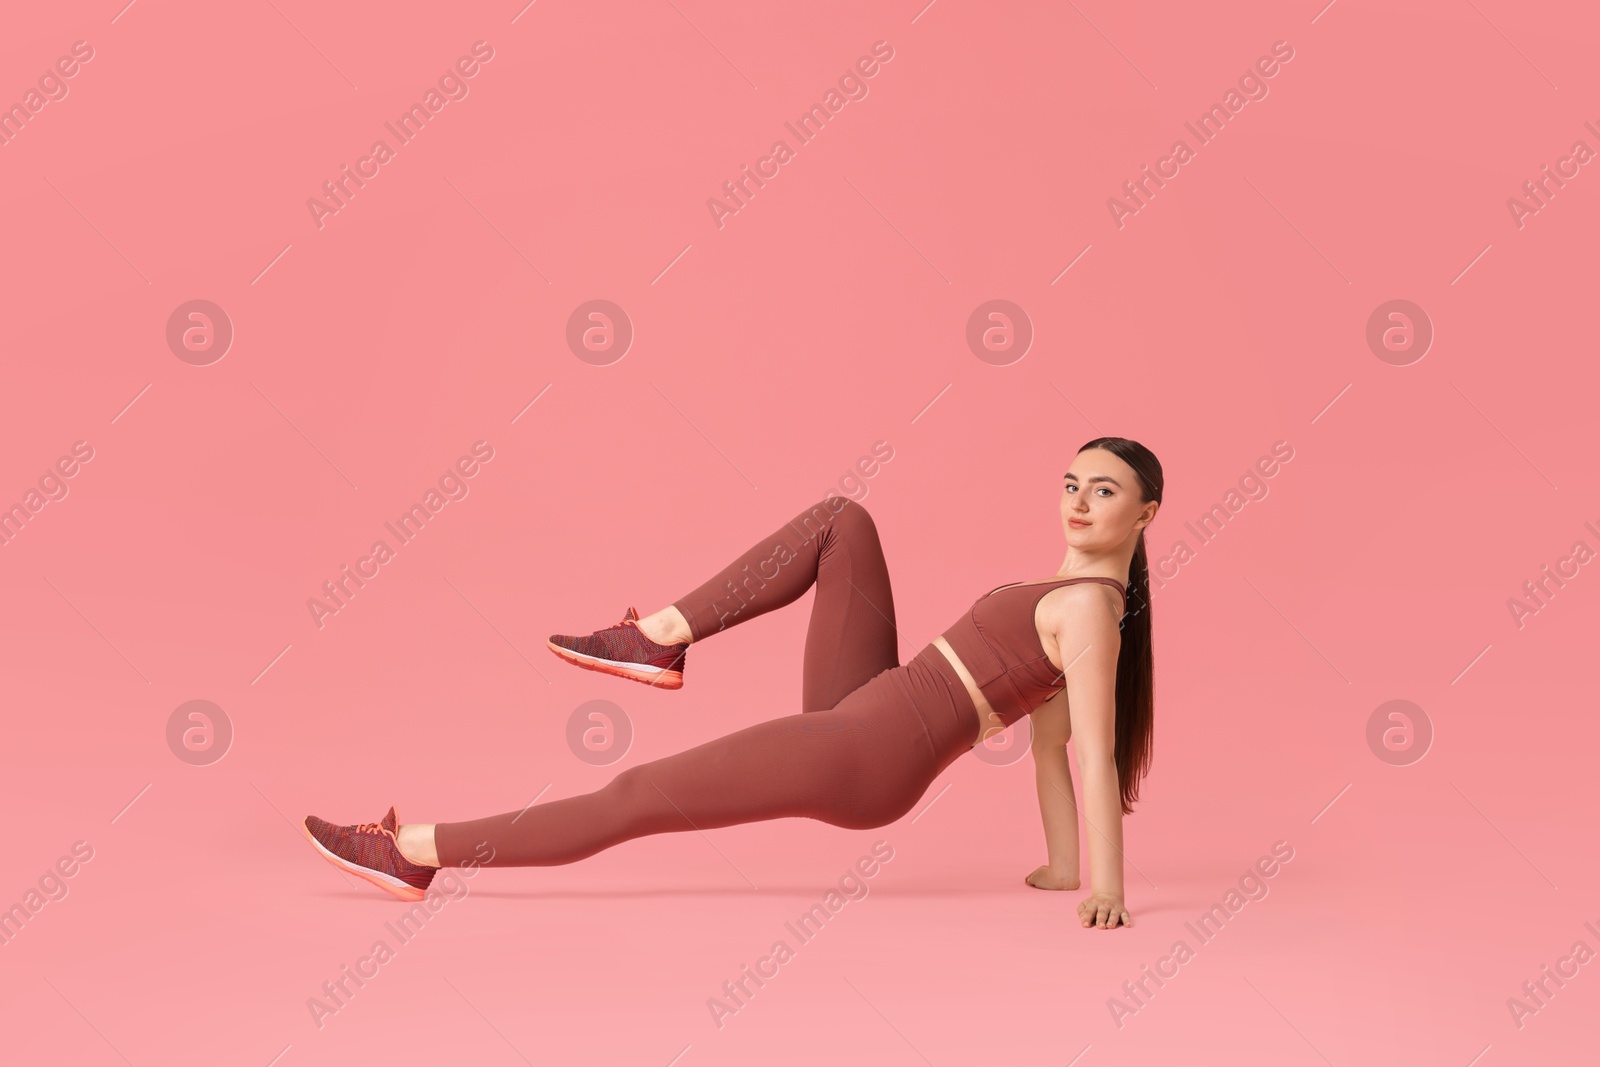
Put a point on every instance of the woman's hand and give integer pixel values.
(1104, 911)
(1047, 877)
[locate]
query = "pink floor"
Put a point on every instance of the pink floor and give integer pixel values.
(188, 485)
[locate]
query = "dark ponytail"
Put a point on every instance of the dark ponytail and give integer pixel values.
(1135, 661)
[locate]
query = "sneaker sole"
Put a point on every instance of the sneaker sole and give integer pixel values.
(387, 882)
(659, 677)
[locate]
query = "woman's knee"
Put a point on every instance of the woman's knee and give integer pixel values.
(630, 790)
(848, 510)
(854, 523)
(633, 804)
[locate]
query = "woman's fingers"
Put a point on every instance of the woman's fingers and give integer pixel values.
(1104, 913)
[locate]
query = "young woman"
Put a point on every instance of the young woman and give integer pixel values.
(1072, 650)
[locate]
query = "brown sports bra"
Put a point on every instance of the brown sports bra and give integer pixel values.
(999, 644)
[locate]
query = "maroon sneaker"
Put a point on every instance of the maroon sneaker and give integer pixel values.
(624, 650)
(369, 850)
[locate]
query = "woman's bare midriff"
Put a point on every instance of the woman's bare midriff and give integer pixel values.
(988, 721)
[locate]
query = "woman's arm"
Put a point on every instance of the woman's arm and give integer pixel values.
(1052, 772)
(1088, 641)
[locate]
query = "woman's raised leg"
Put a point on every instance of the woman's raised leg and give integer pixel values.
(857, 756)
(834, 546)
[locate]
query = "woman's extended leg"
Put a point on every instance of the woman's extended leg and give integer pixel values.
(833, 545)
(861, 764)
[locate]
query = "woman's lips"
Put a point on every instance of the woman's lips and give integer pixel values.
(1076, 523)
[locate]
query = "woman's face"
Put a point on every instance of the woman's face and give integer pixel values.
(1100, 505)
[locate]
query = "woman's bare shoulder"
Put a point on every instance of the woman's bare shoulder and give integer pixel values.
(1092, 608)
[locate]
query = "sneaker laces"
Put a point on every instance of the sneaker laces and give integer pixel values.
(625, 623)
(369, 828)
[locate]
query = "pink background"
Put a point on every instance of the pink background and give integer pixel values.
(770, 354)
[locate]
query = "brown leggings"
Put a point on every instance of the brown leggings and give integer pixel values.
(872, 735)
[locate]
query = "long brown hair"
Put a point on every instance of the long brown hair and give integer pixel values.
(1135, 662)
